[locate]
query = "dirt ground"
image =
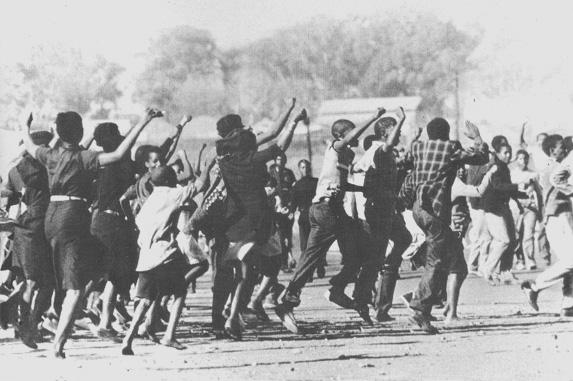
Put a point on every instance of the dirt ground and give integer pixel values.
(500, 338)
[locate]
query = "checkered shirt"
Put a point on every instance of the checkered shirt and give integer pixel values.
(435, 166)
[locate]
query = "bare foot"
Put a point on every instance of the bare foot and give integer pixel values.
(451, 320)
(127, 351)
(173, 344)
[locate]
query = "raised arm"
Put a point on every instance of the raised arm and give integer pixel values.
(394, 137)
(203, 180)
(28, 144)
(478, 154)
(285, 139)
(187, 173)
(106, 158)
(522, 142)
(276, 130)
(198, 166)
(356, 132)
(170, 145)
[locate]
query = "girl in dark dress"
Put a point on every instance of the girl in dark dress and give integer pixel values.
(71, 171)
(29, 180)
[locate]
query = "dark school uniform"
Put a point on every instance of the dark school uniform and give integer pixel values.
(71, 171)
(30, 248)
(109, 226)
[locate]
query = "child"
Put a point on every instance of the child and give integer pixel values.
(329, 222)
(161, 264)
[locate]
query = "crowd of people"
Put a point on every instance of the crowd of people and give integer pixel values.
(94, 230)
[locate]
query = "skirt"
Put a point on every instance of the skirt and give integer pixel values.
(119, 246)
(76, 254)
(30, 249)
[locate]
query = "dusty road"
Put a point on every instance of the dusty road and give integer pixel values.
(499, 339)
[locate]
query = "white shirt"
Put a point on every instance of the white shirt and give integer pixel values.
(157, 224)
(359, 168)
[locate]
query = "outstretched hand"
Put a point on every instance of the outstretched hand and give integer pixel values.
(184, 120)
(418, 133)
(29, 121)
(381, 111)
(302, 116)
(472, 131)
(400, 113)
(293, 103)
(153, 113)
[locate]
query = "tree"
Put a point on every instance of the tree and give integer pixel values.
(391, 55)
(183, 73)
(55, 79)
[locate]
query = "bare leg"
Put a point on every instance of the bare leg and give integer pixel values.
(169, 337)
(232, 326)
(69, 306)
(138, 316)
(108, 299)
(40, 305)
(454, 284)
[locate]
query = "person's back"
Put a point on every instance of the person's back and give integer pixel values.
(157, 224)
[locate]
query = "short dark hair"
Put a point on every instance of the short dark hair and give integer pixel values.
(303, 161)
(497, 141)
(438, 129)
(550, 142)
(228, 123)
(104, 130)
(502, 145)
(69, 127)
(142, 155)
(340, 126)
(367, 142)
(383, 125)
(41, 138)
(163, 176)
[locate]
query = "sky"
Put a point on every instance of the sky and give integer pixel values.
(120, 29)
(530, 36)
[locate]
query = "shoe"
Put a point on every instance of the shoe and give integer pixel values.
(289, 299)
(383, 317)
(233, 330)
(530, 294)
(431, 317)
(364, 312)
(320, 272)
(258, 310)
(532, 267)
(422, 321)
(566, 312)
(520, 266)
(286, 316)
(26, 336)
(338, 297)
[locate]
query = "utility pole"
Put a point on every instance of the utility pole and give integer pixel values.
(458, 113)
(308, 142)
